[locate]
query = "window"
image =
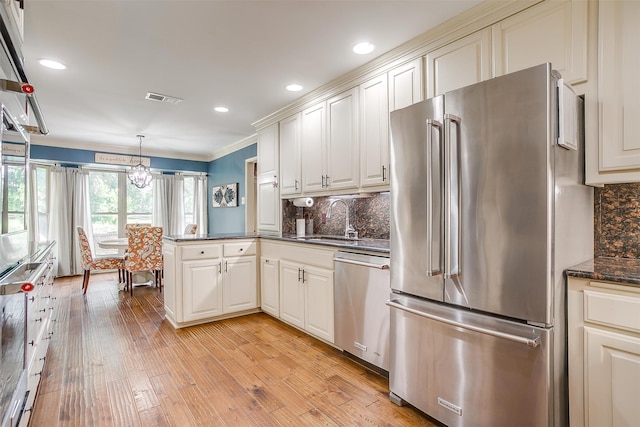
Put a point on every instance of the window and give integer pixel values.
(115, 202)
(189, 189)
(14, 200)
(139, 204)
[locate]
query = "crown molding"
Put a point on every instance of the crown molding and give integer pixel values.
(481, 16)
(250, 140)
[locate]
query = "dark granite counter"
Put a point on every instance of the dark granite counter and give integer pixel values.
(203, 237)
(368, 245)
(625, 271)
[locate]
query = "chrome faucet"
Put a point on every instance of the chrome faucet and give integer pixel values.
(349, 231)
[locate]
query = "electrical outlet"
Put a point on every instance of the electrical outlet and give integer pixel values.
(242, 200)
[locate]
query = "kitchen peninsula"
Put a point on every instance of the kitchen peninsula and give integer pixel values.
(218, 276)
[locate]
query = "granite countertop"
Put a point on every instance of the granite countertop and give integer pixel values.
(369, 245)
(621, 270)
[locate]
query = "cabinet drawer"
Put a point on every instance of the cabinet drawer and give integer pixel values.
(201, 252)
(239, 249)
(614, 310)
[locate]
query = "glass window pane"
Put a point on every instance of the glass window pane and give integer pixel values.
(42, 185)
(103, 197)
(139, 200)
(15, 197)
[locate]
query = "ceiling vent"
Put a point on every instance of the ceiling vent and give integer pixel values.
(162, 98)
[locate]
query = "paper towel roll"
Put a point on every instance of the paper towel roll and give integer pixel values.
(303, 202)
(300, 225)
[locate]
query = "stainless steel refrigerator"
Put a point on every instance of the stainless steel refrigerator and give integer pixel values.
(487, 210)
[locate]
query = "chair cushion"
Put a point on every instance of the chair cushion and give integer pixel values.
(107, 263)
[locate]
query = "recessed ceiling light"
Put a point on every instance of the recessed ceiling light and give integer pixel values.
(221, 109)
(293, 87)
(363, 48)
(50, 63)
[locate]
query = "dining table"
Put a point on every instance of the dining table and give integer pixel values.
(121, 243)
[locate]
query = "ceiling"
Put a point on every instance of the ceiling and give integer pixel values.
(240, 54)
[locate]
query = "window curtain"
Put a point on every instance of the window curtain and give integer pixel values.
(200, 204)
(69, 198)
(168, 206)
(32, 206)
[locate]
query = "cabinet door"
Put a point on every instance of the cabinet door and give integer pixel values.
(343, 163)
(405, 85)
(270, 286)
(290, 168)
(612, 383)
(169, 282)
(319, 302)
(202, 290)
(313, 148)
(458, 64)
(267, 180)
(374, 132)
(239, 287)
(292, 294)
(554, 31)
(619, 88)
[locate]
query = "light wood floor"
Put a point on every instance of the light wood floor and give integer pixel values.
(115, 361)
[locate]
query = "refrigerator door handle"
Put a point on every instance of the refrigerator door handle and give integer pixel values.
(531, 342)
(429, 150)
(451, 170)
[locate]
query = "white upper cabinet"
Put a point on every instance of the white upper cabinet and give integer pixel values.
(329, 144)
(405, 85)
(343, 160)
(458, 64)
(619, 92)
(374, 132)
(290, 167)
(553, 31)
(267, 180)
(313, 148)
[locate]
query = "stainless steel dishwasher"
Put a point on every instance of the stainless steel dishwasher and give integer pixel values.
(362, 287)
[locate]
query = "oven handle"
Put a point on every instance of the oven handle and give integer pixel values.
(535, 342)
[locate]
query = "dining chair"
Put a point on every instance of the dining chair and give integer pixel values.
(100, 263)
(191, 229)
(144, 254)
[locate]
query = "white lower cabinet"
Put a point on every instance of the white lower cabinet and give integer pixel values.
(208, 280)
(604, 354)
(202, 289)
(306, 290)
(270, 285)
(239, 284)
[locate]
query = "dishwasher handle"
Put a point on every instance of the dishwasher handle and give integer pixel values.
(363, 264)
(531, 342)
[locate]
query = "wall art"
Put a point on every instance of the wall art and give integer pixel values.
(224, 196)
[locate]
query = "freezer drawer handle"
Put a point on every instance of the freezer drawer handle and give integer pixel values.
(535, 342)
(363, 264)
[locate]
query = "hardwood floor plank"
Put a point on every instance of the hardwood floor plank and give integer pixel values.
(177, 412)
(114, 361)
(123, 407)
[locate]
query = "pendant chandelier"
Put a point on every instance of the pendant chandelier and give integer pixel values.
(139, 175)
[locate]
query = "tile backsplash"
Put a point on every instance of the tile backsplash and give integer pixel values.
(617, 221)
(370, 216)
(616, 218)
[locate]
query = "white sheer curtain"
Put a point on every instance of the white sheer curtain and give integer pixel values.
(32, 206)
(200, 204)
(168, 203)
(69, 201)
